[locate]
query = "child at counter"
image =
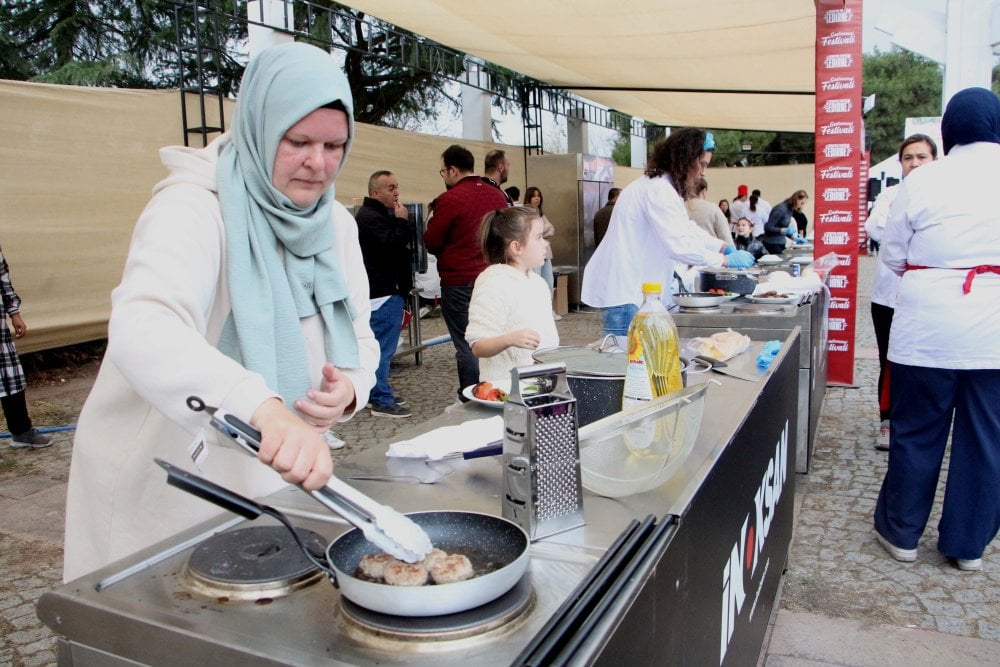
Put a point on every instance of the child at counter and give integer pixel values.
(743, 238)
(510, 314)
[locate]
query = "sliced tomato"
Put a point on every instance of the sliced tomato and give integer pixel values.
(482, 390)
(485, 391)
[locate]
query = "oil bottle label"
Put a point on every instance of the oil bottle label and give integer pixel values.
(637, 385)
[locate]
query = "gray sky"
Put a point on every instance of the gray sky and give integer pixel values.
(883, 11)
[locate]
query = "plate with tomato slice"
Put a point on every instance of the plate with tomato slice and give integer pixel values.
(492, 395)
(486, 393)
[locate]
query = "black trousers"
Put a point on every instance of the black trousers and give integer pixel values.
(774, 248)
(455, 311)
(15, 410)
(882, 321)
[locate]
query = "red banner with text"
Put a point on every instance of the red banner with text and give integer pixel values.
(839, 149)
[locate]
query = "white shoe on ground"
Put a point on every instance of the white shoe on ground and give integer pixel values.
(333, 441)
(969, 565)
(902, 555)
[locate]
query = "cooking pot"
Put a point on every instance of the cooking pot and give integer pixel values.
(497, 548)
(740, 281)
(595, 374)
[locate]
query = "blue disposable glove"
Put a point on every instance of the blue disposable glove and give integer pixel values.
(799, 240)
(789, 231)
(767, 355)
(739, 259)
(730, 249)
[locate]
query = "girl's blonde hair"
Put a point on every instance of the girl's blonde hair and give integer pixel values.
(502, 226)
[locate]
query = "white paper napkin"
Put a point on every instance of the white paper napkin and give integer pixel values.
(804, 284)
(446, 440)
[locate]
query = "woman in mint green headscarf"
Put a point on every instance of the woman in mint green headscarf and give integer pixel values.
(244, 285)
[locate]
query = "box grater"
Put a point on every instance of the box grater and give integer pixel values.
(542, 490)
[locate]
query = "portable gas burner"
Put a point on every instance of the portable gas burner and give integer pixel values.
(366, 624)
(699, 309)
(758, 308)
(253, 563)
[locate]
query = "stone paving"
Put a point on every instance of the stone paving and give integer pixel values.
(836, 570)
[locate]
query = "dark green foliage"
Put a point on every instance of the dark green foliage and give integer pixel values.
(94, 43)
(750, 148)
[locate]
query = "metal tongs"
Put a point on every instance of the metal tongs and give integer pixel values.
(383, 526)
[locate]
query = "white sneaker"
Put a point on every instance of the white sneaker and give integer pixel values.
(902, 555)
(333, 441)
(969, 565)
(556, 316)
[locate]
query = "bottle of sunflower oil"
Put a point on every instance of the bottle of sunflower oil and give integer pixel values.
(654, 368)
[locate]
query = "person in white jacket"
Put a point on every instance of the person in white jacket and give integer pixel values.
(650, 230)
(916, 149)
(943, 238)
(244, 286)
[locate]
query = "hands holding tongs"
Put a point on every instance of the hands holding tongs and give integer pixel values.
(391, 531)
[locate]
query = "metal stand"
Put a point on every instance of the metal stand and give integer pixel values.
(413, 345)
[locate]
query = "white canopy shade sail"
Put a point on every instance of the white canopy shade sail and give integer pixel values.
(732, 64)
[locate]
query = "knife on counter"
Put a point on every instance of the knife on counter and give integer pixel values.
(722, 367)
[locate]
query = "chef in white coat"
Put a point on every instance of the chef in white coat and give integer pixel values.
(943, 238)
(650, 230)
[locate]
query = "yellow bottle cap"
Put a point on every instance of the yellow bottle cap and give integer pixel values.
(652, 288)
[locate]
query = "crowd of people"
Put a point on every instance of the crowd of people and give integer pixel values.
(248, 285)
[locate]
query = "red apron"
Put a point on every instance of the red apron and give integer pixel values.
(973, 272)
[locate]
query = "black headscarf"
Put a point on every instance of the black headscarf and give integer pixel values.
(972, 115)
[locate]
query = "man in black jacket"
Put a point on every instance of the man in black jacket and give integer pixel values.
(385, 232)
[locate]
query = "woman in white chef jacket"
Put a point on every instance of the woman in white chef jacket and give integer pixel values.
(650, 230)
(916, 149)
(244, 285)
(943, 238)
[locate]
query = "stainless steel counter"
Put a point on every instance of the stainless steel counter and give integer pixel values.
(138, 609)
(475, 485)
(776, 323)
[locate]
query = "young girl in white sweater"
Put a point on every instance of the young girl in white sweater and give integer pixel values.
(510, 315)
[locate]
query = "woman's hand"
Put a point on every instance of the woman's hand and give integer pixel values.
(323, 407)
(291, 446)
(20, 328)
(527, 339)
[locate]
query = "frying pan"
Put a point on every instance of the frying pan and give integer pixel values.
(698, 299)
(497, 548)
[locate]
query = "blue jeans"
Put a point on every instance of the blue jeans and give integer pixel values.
(386, 323)
(617, 318)
(455, 312)
(545, 271)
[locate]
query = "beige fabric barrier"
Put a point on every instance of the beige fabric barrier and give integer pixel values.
(78, 166)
